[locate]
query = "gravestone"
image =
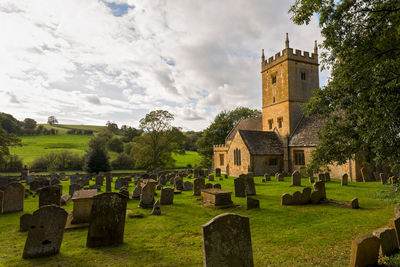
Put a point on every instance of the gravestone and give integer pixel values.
(178, 183)
(217, 186)
(46, 232)
(267, 177)
(383, 178)
(13, 197)
(364, 251)
(73, 188)
(227, 241)
(218, 172)
(124, 191)
(82, 200)
(211, 178)
(215, 197)
(240, 187)
(25, 222)
(137, 191)
(156, 208)
(296, 198)
(252, 203)
(319, 192)
(198, 185)
(208, 186)
(286, 199)
(395, 224)
(107, 220)
(167, 196)
(327, 177)
(388, 241)
(354, 203)
(50, 195)
(99, 180)
(306, 195)
(64, 199)
(280, 177)
(187, 186)
(147, 196)
(74, 178)
(109, 179)
(321, 177)
(296, 178)
(249, 184)
(345, 179)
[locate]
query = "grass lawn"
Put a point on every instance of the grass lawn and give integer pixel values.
(318, 235)
(36, 146)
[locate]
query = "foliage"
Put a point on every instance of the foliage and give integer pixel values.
(30, 124)
(153, 149)
(128, 147)
(360, 101)
(191, 140)
(6, 140)
(80, 132)
(115, 144)
(61, 161)
(13, 164)
(219, 129)
(105, 134)
(112, 126)
(122, 162)
(10, 124)
(52, 120)
(97, 159)
(129, 133)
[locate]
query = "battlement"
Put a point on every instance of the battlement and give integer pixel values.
(289, 54)
(221, 147)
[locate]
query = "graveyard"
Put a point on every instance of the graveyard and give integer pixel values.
(295, 235)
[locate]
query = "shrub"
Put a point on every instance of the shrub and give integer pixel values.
(62, 161)
(115, 144)
(122, 162)
(13, 164)
(97, 159)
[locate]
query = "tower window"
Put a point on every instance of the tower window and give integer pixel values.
(299, 157)
(303, 75)
(273, 99)
(280, 120)
(273, 78)
(270, 122)
(221, 159)
(237, 157)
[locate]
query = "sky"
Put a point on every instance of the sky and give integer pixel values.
(92, 61)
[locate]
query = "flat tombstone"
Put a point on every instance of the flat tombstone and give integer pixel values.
(198, 185)
(240, 187)
(147, 196)
(46, 232)
(388, 241)
(73, 188)
(345, 179)
(227, 241)
(167, 196)
(364, 251)
(296, 178)
(25, 222)
(50, 195)
(107, 220)
(13, 197)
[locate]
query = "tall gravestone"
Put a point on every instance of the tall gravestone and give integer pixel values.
(240, 187)
(249, 184)
(147, 196)
(227, 241)
(50, 195)
(13, 197)
(167, 196)
(107, 220)
(345, 179)
(108, 182)
(178, 183)
(198, 185)
(364, 251)
(296, 178)
(46, 232)
(74, 178)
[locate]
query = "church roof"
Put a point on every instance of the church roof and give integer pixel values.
(251, 124)
(262, 143)
(306, 132)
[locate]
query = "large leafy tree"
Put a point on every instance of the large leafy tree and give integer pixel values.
(6, 140)
(154, 148)
(97, 158)
(219, 129)
(360, 103)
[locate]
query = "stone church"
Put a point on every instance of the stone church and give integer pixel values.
(283, 138)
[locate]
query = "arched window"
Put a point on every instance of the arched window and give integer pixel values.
(240, 157)
(237, 157)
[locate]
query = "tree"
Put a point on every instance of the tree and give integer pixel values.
(112, 126)
(10, 124)
(52, 120)
(30, 124)
(219, 129)
(6, 140)
(115, 144)
(360, 101)
(97, 159)
(129, 133)
(154, 148)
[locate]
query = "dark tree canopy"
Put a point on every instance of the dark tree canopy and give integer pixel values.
(360, 103)
(52, 120)
(6, 140)
(97, 158)
(219, 129)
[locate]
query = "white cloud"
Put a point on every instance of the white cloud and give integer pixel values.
(85, 63)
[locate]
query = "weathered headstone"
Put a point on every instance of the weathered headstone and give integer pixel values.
(13, 197)
(99, 180)
(252, 203)
(267, 177)
(364, 251)
(296, 198)
(137, 191)
(187, 186)
(280, 177)
(286, 199)
(345, 179)
(296, 178)
(354, 203)
(156, 208)
(249, 184)
(383, 178)
(227, 241)
(217, 186)
(124, 191)
(46, 232)
(240, 187)
(25, 222)
(319, 192)
(178, 183)
(388, 241)
(198, 185)
(50, 195)
(211, 178)
(74, 178)
(147, 196)
(167, 196)
(109, 179)
(107, 220)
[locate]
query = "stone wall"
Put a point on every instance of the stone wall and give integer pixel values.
(235, 170)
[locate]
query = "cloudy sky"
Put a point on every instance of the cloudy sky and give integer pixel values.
(92, 61)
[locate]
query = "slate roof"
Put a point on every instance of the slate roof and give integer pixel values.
(251, 124)
(306, 133)
(262, 143)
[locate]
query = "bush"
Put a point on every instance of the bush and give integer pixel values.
(13, 164)
(97, 159)
(122, 162)
(115, 144)
(63, 161)
(128, 148)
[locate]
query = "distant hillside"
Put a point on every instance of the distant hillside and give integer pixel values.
(63, 128)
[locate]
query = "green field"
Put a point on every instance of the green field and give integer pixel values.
(36, 146)
(63, 128)
(308, 235)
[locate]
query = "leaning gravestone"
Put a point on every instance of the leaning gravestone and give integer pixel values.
(296, 178)
(364, 251)
(167, 196)
(240, 187)
(25, 222)
(198, 185)
(345, 179)
(46, 232)
(156, 208)
(107, 220)
(227, 241)
(13, 197)
(147, 196)
(50, 195)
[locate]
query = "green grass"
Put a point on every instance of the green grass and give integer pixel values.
(190, 157)
(318, 235)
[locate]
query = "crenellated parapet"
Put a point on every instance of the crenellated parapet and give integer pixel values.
(220, 148)
(289, 53)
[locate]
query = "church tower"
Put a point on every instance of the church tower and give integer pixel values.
(288, 80)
